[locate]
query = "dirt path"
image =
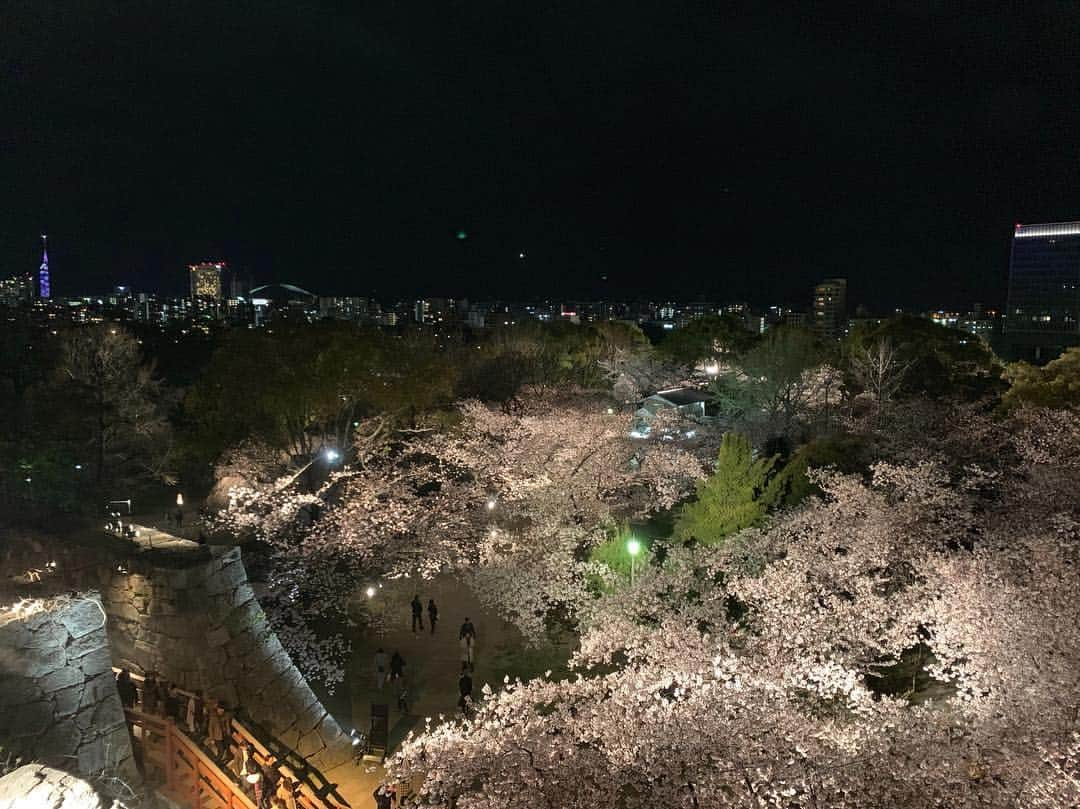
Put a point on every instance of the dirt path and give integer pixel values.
(432, 660)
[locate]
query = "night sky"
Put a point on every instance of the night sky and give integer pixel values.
(679, 149)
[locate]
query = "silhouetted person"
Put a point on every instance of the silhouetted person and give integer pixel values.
(467, 628)
(466, 643)
(464, 683)
(397, 666)
(417, 613)
(150, 693)
(432, 614)
(127, 690)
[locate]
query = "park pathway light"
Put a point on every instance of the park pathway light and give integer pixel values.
(633, 547)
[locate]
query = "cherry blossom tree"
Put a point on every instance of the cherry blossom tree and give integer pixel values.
(511, 497)
(757, 673)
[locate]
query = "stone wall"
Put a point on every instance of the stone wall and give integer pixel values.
(35, 787)
(58, 698)
(200, 625)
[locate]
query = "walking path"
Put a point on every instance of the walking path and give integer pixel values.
(149, 538)
(432, 662)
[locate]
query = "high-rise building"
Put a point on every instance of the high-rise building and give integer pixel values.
(206, 280)
(829, 308)
(1042, 317)
(44, 282)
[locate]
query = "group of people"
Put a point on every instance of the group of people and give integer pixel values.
(418, 614)
(209, 724)
(165, 699)
(391, 668)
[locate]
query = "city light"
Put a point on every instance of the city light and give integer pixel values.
(332, 455)
(491, 503)
(370, 591)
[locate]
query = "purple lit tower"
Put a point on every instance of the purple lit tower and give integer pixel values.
(44, 288)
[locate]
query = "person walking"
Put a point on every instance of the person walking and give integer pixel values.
(381, 663)
(127, 690)
(432, 614)
(190, 714)
(467, 628)
(397, 666)
(466, 643)
(417, 613)
(215, 730)
(464, 683)
(150, 693)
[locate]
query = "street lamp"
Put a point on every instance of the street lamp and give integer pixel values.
(329, 453)
(491, 504)
(633, 547)
(370, 591)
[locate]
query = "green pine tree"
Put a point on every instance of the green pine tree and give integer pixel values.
(736, 496)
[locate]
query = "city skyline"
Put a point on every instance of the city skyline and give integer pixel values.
(620, 151)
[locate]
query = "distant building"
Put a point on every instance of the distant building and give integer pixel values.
(687, 402)
(286, 302)
(354, 309)
(206, 280)
(797, 320)
(830, 308)
(1042, 317)
(17, 290)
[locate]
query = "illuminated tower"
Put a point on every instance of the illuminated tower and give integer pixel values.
(44, 287)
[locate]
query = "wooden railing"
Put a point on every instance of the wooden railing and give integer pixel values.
(191, 776)
(182, 759)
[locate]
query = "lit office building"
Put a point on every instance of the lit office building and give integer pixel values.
(830, 308)
(1042, 317)
(206, 280)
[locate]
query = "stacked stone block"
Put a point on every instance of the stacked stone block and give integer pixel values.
(58, 698)
(200, 625)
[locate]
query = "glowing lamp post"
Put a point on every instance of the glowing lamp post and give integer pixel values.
(633, 547)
